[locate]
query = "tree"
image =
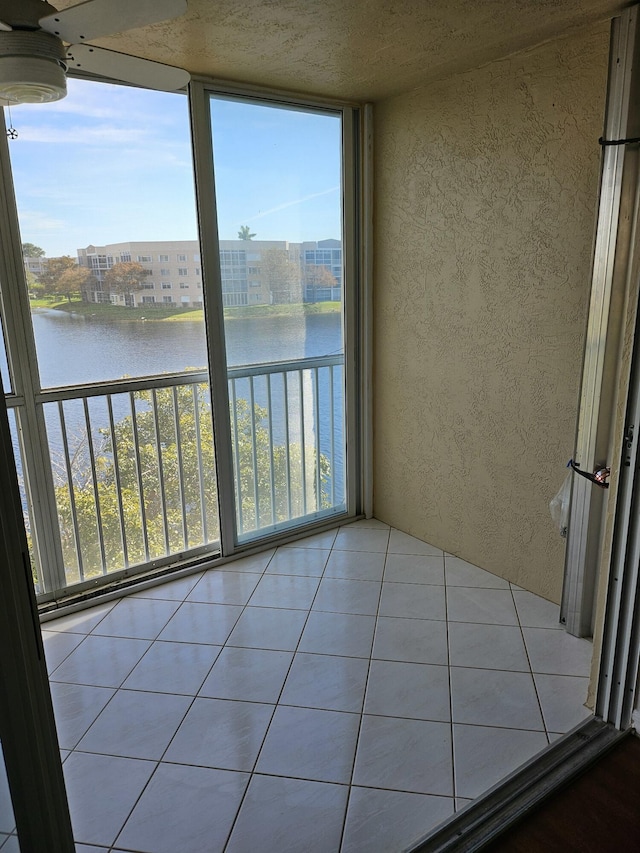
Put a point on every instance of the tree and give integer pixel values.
(64, 277)
(33, 285)
(125, 277)
(30, 250)
(73, 281)
(185, 456)
(282, 277)
(318, 277)
(245, 233)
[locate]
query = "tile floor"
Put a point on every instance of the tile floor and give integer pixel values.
(345, 693)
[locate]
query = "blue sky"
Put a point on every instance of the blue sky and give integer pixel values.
(110, 163)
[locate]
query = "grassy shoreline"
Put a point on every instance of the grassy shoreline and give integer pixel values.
(170, 314)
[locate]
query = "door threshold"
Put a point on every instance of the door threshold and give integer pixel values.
(488, 816)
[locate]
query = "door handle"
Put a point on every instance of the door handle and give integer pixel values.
(600, 476)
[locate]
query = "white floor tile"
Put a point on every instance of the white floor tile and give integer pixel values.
(318, 540)
(347, 596)
(487, 606)
(286, 591)
(327, 682)
(368, 523)
(268, 628)
(58, 645)
(416, 690)
(81, 622)
(255, 563)
(101, 661)
(252, 675)
(280, 688)
(171, 815)
(460, 573)
(310, 744)
(308, 562)
(224, 587)
(136, 725)
(140, 618)
(359, 539)
(289, 815)
(355, 565)
(201, 623)
(384, 821)
(558, 653)
(176, 590)
(102, 790)
(7, 820)
(344, 634)
(404, 755)
(535, 612)
(487, 646)
(411, 568)
(220, 733)
(173, 668)
(413, 601)
(411, 640)
(562, 698)
(76, 706)
(488, 697)
(485, 755)
(402, 543)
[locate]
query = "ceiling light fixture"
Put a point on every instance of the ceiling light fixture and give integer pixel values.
(32, 68)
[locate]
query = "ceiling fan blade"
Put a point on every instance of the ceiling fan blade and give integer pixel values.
(5, 27)
(95, 18)
(129, 69)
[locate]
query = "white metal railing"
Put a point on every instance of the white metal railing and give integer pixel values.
(133, 465)
(134, 471)
(287, 437)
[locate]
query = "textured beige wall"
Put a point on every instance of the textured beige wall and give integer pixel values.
(486, 189)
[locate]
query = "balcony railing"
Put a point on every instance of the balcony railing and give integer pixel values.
(133, 464)
(287, 436)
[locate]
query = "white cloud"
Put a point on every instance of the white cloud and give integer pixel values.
(32, 221)
(293, 203)
(106, 134)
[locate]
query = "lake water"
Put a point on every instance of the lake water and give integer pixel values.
(74, 349)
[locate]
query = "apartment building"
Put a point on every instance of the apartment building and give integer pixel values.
(260, 272)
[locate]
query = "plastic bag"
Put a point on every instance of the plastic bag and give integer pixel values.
(559, 505)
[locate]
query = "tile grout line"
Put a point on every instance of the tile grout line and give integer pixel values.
(221, 647)
(190, 705)
(449, 667)
(526, 651)
(252, 772)
(364, 698)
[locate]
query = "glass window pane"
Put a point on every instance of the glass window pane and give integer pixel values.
(4, 364)
(104, 187)
(278, 192)
(106, 206)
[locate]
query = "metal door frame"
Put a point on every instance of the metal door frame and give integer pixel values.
(602, 386)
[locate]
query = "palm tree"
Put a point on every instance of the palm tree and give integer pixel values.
(245, 233)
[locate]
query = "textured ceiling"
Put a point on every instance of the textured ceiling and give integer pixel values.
(352, 49)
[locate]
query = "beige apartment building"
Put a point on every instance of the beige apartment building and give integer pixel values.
(254, 272)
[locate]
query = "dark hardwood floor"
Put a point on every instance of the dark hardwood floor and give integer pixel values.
(598, 812)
